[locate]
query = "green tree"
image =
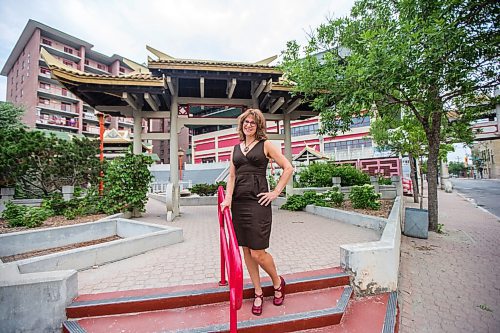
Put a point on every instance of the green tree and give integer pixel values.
(126, 184)
(456, 168)
(10, 117)
(51, 163)
(437, 58)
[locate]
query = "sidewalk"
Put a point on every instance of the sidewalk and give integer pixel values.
(299, 242)
(450, 282)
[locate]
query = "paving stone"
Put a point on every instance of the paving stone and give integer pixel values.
(451, 274)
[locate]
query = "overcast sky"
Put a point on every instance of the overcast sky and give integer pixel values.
(237, 30)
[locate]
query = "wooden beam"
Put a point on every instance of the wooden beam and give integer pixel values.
(170, 85)
(155, 136)
(131, 100)
(156, 115)
(202, 87)
(207, 101)
(259, 89)
(151, 101)
(265, 101)
(294, 105)
(231, 84)
(269, 86)
(298, 114)
(279, 102)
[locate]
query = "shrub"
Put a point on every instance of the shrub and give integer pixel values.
(320, 175)
(335, 196)
(364, 197)
(350, 175)
(384, 181)
(126, 184)
(14, 214)
(207, 189)
(23, 216)
(299, 202)
(316, 175)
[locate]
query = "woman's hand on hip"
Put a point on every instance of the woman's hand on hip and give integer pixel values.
(267, 197)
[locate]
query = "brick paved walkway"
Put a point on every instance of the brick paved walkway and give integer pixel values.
(299, 242)
(450, 282)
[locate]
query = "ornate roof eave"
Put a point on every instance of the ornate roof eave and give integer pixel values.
(70, 75)
(166, 61)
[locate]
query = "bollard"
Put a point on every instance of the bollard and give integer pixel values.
(374, 182)
(67, 192)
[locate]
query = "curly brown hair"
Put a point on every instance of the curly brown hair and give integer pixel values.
(260, 121)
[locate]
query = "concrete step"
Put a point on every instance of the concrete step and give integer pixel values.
(182, 296)
(316, 302)
(301, 310)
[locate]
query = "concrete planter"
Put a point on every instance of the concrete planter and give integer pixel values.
(416, 223)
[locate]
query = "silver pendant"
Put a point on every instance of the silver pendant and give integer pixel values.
(246, 149)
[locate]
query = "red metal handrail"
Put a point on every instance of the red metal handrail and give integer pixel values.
(230, 260)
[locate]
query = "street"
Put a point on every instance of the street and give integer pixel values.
(484, 192)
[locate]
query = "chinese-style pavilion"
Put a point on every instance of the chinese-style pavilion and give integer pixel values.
(179, 90)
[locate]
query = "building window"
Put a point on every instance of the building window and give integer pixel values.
(68, 63)
(42, 100)
(44, 70)
(22, 65)
(344, 145)
(64, 92)
(86, 62)
(46, 42)
(122, 70)
(66, 106)
(68, 50)
(100, 66)
(22, 92)
(44, 85)
(22, 78)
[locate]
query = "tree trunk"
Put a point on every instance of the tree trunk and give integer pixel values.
(412, 177)
(421, 182)
(432, 174)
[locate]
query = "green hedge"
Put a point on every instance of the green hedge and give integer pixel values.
(320, 175)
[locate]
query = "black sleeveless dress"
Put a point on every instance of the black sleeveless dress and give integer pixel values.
(252, 221)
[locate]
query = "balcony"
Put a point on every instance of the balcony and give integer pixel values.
(47, 77)
(90, 117)
(95, 70)
(90, 130)
(75, 56)
(46, 121)
(126, 122)
(59, 109)
(57, 93)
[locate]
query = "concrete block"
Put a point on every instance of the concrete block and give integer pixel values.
(375, 265)
(35, 303)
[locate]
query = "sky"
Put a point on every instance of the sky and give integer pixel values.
(233, 30)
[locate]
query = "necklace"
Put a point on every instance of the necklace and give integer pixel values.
(247, 147)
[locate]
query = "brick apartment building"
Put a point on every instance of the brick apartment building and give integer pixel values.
(50, 106)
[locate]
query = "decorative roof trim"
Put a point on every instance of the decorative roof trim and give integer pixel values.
(206, 66)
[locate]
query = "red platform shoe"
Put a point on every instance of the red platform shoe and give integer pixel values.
(257, 310)
(279, 300)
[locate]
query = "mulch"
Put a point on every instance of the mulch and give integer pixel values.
(384, 211)
(37, 253)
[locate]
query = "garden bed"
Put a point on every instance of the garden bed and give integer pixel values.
(36, 253)
(384, 211)
(54, 221)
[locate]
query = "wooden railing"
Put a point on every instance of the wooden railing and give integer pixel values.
(230, 260)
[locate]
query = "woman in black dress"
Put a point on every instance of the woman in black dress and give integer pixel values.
(249, 198)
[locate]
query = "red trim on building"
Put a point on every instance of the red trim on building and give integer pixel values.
(228, 142)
